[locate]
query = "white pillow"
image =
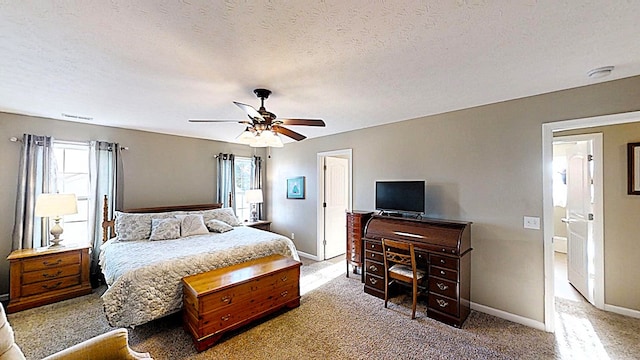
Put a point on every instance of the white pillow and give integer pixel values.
(192, 225)
(218, 226)
(225, 215)
(165, 229)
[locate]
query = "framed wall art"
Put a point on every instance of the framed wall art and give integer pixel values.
(295, 188)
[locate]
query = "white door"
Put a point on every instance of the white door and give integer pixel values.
(336, 203)
(579, 211)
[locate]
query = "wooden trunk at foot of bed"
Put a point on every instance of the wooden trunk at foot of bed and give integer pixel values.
(108, 226)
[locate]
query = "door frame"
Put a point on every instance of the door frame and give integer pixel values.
(596, 240)
(547, 198)
(348, 154)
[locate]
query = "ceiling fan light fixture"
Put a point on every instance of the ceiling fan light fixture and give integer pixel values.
(246, 137)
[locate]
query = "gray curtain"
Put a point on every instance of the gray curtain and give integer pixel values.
(36, 175)
(256, 180)
(226, 180)
(106, 178)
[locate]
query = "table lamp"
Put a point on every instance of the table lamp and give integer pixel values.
(253, 197)
(56, 205)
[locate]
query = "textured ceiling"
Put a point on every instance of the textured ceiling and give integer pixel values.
(151, 64)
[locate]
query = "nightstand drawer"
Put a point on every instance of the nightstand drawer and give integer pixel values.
(51, 261)
(51, 285)
(50, 274)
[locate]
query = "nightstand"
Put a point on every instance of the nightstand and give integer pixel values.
(46, 275)
(260, 224)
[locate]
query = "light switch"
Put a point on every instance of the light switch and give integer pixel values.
(532, 222)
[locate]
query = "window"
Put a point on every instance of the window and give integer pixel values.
(72, 159)
(244, 175)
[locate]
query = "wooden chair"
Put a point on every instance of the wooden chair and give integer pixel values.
(400, 265)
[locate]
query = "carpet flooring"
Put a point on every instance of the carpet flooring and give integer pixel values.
(336, 320)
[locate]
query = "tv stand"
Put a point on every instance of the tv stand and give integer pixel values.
(396, 214)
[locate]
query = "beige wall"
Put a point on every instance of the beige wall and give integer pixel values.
(158, 169)
(621, 215)
(481, 164)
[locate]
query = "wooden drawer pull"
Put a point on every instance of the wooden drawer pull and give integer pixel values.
(442, 303)
(46, 263)
(226, 299)
(373, 281)
(226, 317)
(52, 286)
(373, 268)
(442, 286)
(50, 276)
(284, 293)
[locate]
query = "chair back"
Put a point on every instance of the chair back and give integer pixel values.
(398, 252)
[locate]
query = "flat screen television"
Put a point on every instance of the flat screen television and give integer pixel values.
(400, 196)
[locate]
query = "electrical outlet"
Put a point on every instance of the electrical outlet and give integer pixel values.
(532, 222)
(293, 236)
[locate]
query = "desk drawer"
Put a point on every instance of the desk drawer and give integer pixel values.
(51, 261)
(444, 261)
(443, 273)
(374, 281)
(443, 287)
(374, 268)
(370, 245)
(443, 304)
(375, 256)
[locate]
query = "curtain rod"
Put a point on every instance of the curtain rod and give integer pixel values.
(15, 139)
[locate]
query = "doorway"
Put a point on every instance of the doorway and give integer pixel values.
(578, 215)
(547, 199)
(334, 199)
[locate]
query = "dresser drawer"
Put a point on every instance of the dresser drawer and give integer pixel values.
(443, 287)
(443, 273)
(50, 285)
(443, 304)
(374, 281)
(51, 261)
(374, 268)
(443, 261)
(50, 274)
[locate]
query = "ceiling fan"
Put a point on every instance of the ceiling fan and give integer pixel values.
(263, 126)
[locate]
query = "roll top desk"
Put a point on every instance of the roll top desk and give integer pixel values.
(442, 249)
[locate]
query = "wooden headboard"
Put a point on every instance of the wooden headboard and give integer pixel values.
(108, 225)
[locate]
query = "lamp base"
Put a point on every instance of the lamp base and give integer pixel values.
(56, 231)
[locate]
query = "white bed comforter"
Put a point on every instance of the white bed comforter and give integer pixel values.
(144, 276)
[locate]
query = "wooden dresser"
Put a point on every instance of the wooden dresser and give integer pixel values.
(224, 299)
(443, 249)
(46, 275)
(356, 220)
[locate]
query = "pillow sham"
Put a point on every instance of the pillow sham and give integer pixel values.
(135, 226)
(218, 226)
(165, 229)
(192, 225)
(225, 215)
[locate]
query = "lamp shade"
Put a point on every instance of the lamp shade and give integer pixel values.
(48, 205)
(253, 196)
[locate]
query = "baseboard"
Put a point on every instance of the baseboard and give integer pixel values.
(308, 256)
(622, 311)
(508, 316)
(4, 297)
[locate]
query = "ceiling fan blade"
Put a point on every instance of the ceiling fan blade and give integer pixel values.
(290, 133)
(250, 110)
(306, 122)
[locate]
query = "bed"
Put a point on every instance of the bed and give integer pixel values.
(143, 270)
